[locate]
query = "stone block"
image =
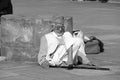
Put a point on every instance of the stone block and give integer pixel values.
(20, 35)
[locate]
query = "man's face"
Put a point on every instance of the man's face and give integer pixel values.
(59, 30)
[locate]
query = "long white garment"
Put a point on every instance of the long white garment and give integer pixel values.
(60, 51)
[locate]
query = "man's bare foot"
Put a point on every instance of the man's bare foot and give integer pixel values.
(45, 65)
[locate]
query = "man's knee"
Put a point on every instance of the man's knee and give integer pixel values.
(78, 41)
(67, 34)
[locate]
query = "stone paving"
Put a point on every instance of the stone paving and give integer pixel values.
(100, 20)
(32, 71)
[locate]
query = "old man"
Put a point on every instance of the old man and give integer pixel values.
(60, 47)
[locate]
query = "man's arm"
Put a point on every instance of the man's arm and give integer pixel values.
(43, 50)
(4, 4)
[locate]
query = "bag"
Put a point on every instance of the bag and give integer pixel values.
(94, 46)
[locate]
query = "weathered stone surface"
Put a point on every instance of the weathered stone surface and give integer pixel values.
(68, 23)
(20, 35)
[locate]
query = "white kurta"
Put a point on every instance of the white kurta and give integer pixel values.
(57, 53)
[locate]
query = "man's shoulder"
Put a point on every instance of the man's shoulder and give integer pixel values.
(46, 35)
(50, 33)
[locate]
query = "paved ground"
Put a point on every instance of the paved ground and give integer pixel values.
(93, 18)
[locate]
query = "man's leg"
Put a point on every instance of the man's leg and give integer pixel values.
(69, 40)
(70, 58)
(72, 45)
(85, 60)
(78, 48)
(58, 55)
(79, 51)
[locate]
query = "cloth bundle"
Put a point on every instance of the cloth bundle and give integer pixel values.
(94, 46)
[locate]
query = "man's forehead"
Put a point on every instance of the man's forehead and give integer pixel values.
(57, 24)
